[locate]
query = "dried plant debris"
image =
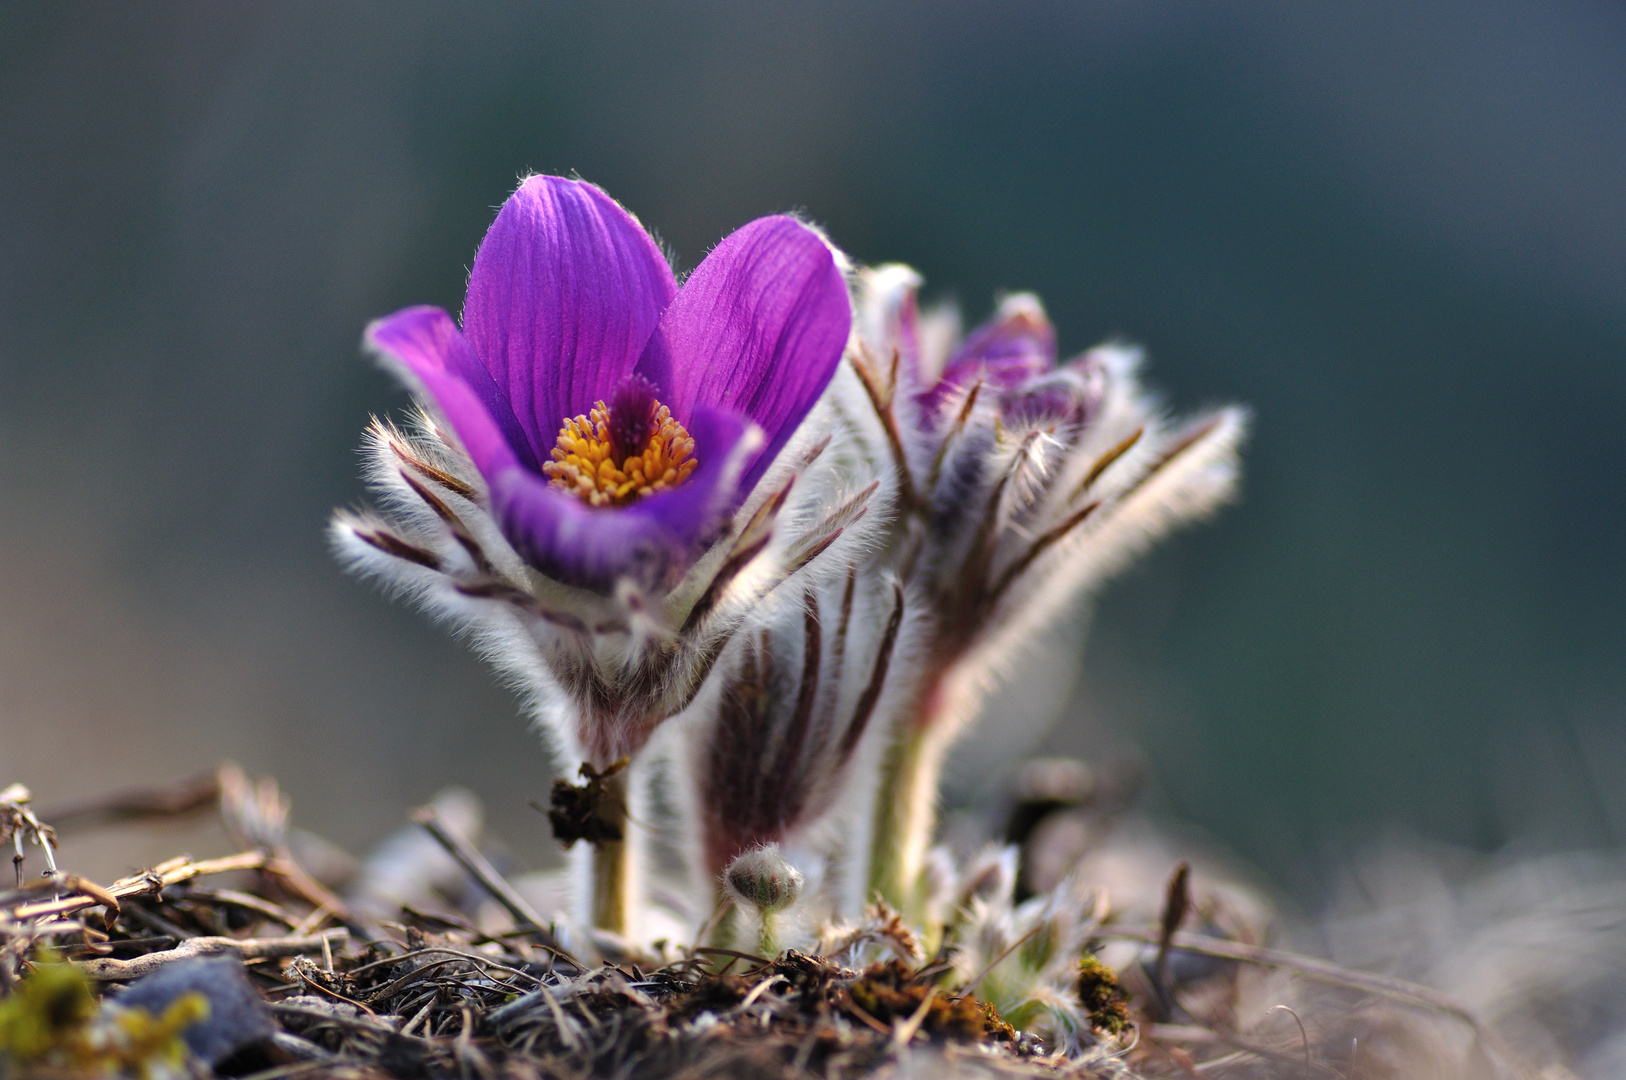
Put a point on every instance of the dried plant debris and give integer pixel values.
(18, 823)
(414, 1002)
(587, 811)
(247, 965)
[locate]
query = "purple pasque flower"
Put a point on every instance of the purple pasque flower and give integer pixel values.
(1033, 478)
(580, 362)
(610, 469)
(1029, 482)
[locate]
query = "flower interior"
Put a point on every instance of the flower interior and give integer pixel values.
(622, 451)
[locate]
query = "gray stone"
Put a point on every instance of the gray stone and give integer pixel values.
(237, 1018)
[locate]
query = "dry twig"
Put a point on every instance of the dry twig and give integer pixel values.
(109, 969)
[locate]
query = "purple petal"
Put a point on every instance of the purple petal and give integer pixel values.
(424, 344)
(759, 328)
(1014, 346)
(1062, 397)
(652, 540)
(566, 290)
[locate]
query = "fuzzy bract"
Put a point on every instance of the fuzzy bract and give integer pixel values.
(1024, 956)
(791, 739)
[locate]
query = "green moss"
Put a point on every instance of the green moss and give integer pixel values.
(46, 1011)
(889, 992)
(1103, 997)
(51, 1020)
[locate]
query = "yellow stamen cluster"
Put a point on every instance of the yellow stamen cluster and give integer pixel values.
(584, 459)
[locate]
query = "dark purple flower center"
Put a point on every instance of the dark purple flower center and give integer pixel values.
(632, 416)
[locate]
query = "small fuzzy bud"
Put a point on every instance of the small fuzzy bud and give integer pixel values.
(763, 879)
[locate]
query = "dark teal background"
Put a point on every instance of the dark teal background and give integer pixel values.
(1397, 230)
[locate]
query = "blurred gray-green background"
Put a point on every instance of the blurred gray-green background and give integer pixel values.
(1398, 230)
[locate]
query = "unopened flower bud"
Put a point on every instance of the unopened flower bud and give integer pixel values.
(763, 879)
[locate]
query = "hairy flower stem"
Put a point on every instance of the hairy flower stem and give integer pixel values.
(906, 814)
(730, 932)
(768, 934)
(612, 871)
(725, 931)
(904, 819)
